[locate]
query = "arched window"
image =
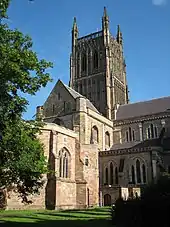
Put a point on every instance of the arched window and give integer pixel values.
(64, 163)
(144, 173)
(84, 63)
(111, 173)
(133, 175)
(106, 176)
(60, 164)
(138, 172)
(156, 132)
(130, 135)
(107, 139)
(95, 60)
(127, 136)
(116, 176)
(152, 132)
(133, 135)
(94, 135)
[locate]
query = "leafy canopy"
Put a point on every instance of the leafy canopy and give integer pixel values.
(22, 160)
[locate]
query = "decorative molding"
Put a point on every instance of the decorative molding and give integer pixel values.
(140, 119)
(124, 151)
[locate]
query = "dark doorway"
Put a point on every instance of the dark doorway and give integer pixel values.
(107, 200)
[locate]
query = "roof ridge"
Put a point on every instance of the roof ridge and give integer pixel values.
(145, 101)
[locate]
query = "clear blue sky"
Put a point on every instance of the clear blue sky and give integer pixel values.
(146, 31)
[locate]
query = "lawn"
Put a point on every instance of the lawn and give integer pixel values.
(75, 218)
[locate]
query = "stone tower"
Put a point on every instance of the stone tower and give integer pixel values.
(98, 69)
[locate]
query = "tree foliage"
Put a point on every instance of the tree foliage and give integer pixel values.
(22, 161)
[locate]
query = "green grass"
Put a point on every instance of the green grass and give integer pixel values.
(75, 218)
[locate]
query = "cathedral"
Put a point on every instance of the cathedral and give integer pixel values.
(99, 145)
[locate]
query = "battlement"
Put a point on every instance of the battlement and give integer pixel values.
(90, 36)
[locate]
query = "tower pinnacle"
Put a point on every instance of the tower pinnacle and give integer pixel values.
(119, 35)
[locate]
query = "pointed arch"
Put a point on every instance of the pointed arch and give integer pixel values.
(152, 131)
(64, 158)
(133, 175)
(107, 138)
(111, 173)
(138, 171)
(144, 173)
(107, 200)
(94, 135)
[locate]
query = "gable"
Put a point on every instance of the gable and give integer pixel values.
(59, 101)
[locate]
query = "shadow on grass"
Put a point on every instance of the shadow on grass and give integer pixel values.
(57, 223)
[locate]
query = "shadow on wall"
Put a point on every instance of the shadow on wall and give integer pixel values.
(50, 190)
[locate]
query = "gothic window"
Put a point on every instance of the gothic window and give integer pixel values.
(127, 136)
(133, 135)
(156, 132)
(84, 63)
(111, 173)
(106, 176)
(148, 133)
(94, 135)
(116, 176)
(133, 174)
(152, 132)
(107, 139)
(63, 163)
(95, 60)
(144, 173)
(138, 171)
(130, 135)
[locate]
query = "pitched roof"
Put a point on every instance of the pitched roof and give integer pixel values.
(75, 95)
(137, 144)
(143, 108)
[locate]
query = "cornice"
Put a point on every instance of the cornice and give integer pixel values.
(140, 119)
(125, 151)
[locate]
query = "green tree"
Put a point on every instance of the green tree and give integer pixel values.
(22, 161)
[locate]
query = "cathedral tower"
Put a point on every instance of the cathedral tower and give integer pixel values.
(98, 69)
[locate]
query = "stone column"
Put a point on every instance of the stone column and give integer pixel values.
(103, 138)
(141, 131)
